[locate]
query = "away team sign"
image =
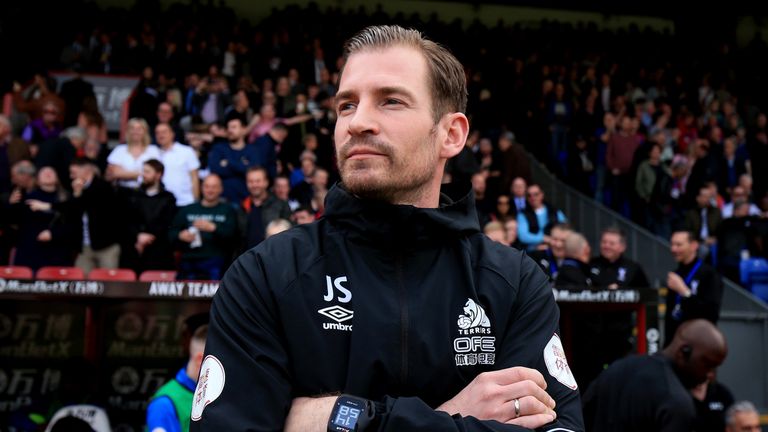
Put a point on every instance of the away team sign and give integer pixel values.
(112, 289)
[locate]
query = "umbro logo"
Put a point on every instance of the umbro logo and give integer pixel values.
(334, 285)
(337, 313)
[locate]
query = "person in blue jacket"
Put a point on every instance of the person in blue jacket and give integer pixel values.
(170, 407)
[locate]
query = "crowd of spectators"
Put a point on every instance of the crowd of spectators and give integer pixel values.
(665, 140)
(230, 141)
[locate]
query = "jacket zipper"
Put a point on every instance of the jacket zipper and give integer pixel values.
(403, 321)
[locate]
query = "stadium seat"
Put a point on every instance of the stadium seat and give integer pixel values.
(158, 275)
(60, 273)
(101, 274)
(16, 272)
(754, 276)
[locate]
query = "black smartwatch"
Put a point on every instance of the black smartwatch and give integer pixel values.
(351, 413)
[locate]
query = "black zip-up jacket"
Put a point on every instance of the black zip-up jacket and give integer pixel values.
(397, 304)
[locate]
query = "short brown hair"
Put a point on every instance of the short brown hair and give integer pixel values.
(156, 165)
(447, 81)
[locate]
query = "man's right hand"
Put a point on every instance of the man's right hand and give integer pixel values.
(78, 185)
(186, 236)
(491, 396)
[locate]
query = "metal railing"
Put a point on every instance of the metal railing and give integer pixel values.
(743, 318)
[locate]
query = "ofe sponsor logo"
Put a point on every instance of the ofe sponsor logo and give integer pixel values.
(471, 348)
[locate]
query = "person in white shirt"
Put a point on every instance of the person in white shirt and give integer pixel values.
(127, 160)
(181, 165)
(739, 194)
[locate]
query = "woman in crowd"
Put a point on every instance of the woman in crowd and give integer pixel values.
(126, 160)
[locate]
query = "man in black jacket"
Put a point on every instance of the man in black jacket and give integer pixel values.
(95, 204)
(695, 288)
(394, 297)
(260, 207)
(611, 269)
(652, 393)
(574, 272)
(152, 209)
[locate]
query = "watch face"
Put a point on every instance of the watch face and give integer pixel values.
(347, 417)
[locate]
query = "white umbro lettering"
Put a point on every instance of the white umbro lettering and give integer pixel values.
(338, 314)
(331, 283)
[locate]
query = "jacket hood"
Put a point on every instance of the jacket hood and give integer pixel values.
(384, 223)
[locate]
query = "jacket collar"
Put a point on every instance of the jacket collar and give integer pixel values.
(388, 224)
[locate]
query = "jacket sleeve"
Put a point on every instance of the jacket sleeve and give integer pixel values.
(533, 328)
(245, 336)
(215, 158)
(532, 340)
(412, 414)
(525, 235)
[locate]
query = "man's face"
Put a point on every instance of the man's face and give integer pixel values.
(320, 178)
(164, 113)
(212, 189)
(558, 237)
(46, 177)
(745, 422)
(611, 246)
(683, 250)
(497, 235)
(386, 140)
(303, 217)
(518, 187)
(282, 188)
(257, 183)
(78, 172)
(235, 130)
(510, 227)
(50, 114)
(150, 177)
(163, 135)
(478, 184)
(695, 369)
(702, 199)
(535, 197)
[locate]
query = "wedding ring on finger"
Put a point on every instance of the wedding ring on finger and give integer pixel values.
(517, 407)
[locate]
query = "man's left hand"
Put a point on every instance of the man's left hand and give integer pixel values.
(676, 283)
(310, 414)
(204, 225)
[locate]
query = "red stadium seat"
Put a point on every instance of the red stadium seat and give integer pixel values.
(16, 272)
(101, 274)
(60, 273)
(158, 275)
